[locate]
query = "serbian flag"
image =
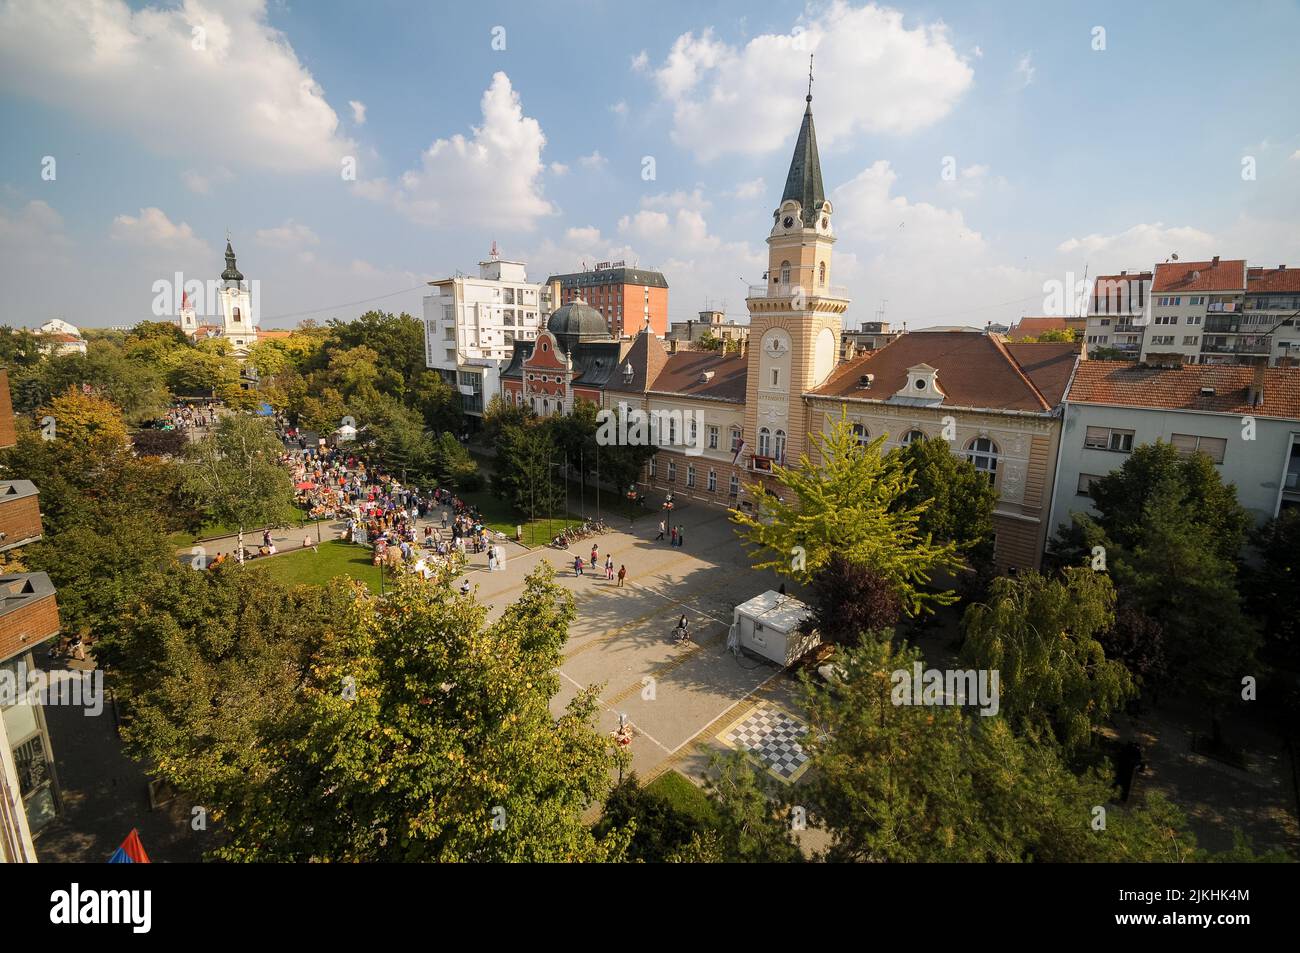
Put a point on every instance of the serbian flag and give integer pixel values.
(131, 851)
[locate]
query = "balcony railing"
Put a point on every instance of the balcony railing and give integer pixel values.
(778, 290)
(1239, 347)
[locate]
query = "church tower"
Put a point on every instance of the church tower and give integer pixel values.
(188, 319)
(238, 323)
(795, 318)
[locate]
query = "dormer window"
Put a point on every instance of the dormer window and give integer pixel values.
(628, 373)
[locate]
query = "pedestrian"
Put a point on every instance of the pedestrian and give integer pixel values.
(464, 588)
(609, 568)
(681, 537)
(673, 541)
(577, 565)
(662, 528)
(266, 537)
(622, 573)
(595, 556)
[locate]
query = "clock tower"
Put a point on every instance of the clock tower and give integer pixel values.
(795, 317)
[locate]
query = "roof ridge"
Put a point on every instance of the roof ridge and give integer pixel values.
(1001, 348)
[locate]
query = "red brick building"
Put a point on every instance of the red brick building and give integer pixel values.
(626, 298)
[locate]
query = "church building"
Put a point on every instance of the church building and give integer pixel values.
(238, 320)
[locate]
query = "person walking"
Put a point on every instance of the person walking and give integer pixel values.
(622, 574)
(609, 568)
(672, 539)
(663, 527)
(681, 537)
(577, 565)
(595, 556)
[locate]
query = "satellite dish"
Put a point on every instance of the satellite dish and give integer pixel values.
(1174, 256)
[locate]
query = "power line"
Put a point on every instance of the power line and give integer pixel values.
(345, 304)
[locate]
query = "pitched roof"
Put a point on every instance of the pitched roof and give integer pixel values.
(1200, 276)
(1262, 280)
(1032, 327)
(704, 374)
(974, 370)
(803, 182)
(1125, 384)
(647, 358)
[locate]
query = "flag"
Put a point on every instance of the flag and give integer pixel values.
(739, 450)
(131, 851)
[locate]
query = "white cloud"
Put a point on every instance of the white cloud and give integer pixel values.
(751, 189)
(139, 71)
(1295, 156)
(358, 111)
(641, 61)
(1025, 70)
(873, 75)
(202, 182)
(291, 235)
(1140, 246)
(593, 161)
(491, 178)
(559, 168)
(154, 230)
(972, 181)
(37, 226)
(619, 108)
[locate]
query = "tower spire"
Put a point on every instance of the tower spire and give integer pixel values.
(810, 77)
(804, 181)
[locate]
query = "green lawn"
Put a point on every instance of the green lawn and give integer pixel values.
(307, 568)
(684, 796)
(501, 518)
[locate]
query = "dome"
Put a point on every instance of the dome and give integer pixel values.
(578, 321)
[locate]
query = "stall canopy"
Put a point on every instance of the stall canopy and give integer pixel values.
(266, 410)
(131, 851)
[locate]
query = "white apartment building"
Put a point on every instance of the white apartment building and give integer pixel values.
(1246, 419)
(471, 326)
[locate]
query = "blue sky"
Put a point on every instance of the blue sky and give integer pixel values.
(1065, 156)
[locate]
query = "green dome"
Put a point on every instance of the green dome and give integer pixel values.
(576, 322)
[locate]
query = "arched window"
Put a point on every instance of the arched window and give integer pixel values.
(821, 275)
(983, 452)
(780, 446)
(861, 434)
(785, 272)
(911, 437)
(764, 442)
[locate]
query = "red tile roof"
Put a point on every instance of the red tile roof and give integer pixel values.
(1125, 384)
(1032, 327)
(1173, 276)
(683, 373)
(1274, 279)
(975, 370)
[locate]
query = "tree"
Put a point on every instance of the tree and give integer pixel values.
(850, 504)
(708, 341)
(1272, 588)
(661, 831)
(960, 498)
(1041, 636)
(753, 819)
(849, 601)
(454, 466)
(524, 476)
(439, 403)
(400, 444)
(235, 474)
(423, 733)
(916, 783)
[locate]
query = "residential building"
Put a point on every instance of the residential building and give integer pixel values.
(1196, 314)
(471, 327)
(29, 618)
(709, 322)
(869, 336)
(1117, 314)
(1271, 310)
(1246, 418)
(996, 403)
(627, 299)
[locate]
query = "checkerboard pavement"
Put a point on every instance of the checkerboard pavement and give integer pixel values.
(771, 737)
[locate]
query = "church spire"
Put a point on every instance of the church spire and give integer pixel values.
(804, 181)
(231, 273)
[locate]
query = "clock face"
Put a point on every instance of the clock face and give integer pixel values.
(789, 222)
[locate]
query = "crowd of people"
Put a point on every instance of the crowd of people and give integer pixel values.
(334, 483)
(185, 417)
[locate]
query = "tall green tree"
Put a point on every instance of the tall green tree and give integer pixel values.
(1041, 635)
(1272, 588)
(849, 502)
(525, 471)
(957, 499)
(235, 475)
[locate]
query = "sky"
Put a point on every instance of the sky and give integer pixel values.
(974, 153)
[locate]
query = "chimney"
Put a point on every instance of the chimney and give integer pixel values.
(1214, 260)
(1255, 394)
(672, 346)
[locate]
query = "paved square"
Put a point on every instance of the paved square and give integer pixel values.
(771, 737)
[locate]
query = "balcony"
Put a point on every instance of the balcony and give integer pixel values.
(1222, 325)
(776, 290)
(1217, 307)
(1238, 347)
